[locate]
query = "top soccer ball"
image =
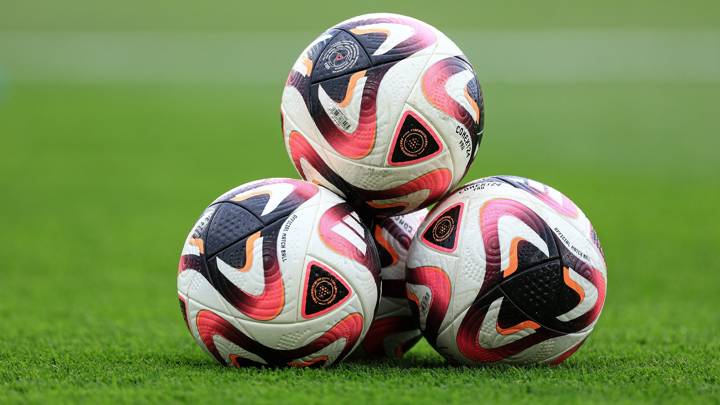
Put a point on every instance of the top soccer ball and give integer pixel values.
(384, 110)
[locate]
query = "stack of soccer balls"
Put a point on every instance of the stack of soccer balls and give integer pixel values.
(382, 115)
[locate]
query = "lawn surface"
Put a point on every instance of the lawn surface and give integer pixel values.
(102, 177)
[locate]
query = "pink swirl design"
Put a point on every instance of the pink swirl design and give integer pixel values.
(437, 182)
(542, 192)
(209, 324)
(467, 336)
(437, 281)
(374, 343)
(302, 190)
(371, 38)
(271, 301)
(469, 345)
(359, 143)
(433, 86)
(339, 244)
(262, 307)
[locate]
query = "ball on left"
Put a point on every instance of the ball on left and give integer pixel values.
(278, 272)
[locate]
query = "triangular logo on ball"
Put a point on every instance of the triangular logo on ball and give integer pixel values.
(324, 290)
(442, 233)
(341, 56)
(414, 141)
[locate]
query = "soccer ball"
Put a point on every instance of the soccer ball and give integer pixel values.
(384, 110)
(509, 270)
(278, 272)
(394, 330)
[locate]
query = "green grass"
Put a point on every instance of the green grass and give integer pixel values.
(102, 180)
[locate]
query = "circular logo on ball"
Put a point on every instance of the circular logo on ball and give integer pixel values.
(340, 56)
(443, 228)
(413, 142)
(324, 290)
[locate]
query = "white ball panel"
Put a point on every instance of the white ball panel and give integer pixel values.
(547, 350)
(446, 46)
(226, 348)
(452, 132)
(355, 274)
(297, 117)
(394, 90)
(424, 297)
(489, 337)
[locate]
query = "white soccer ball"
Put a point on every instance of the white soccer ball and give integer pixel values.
(384, 110)
(394, 330)
(278, 272)
(506, 269)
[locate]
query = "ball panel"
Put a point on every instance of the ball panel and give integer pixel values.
(349, 125)
(323, 290)
(484, 337)
(347, 104)
(389, 37)
(210, 325)
(346, 246)
(229, 224)
(554, 202)
(414, 141)
(271, 200)
(341, 55)
(391, 336)
(262, 295)
(395, 200)
(442, 232)
(429, 289)
(448, 88)
(300, 74)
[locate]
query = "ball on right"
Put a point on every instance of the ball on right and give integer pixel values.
(506, 269)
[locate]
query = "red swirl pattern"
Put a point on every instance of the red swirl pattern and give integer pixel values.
(359, 143)
(469, 345)
(437, 281)
(342, 246)
(563, 207)
(209, 325)
(436, 182)
(433, 87)
(302, 190)
(375, 340)
(422, 36)
(270, 302)
(370, 36)
(469, 330)
(262, 307)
